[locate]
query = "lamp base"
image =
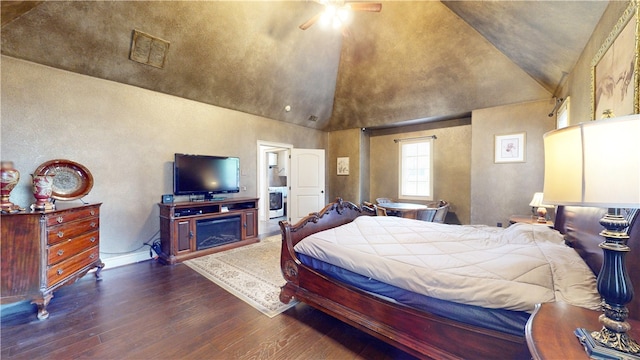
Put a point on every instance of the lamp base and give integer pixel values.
(542, 214)
(596, 350)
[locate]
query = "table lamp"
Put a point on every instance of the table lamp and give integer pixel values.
(539, 207)
(598, 164)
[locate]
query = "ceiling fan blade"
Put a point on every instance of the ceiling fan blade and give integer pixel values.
(373, 7)
(310, 22)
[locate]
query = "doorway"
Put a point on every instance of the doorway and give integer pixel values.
(273, 185)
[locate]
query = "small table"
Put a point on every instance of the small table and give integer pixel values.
(406, 210)
(528, 219)
(550, 328)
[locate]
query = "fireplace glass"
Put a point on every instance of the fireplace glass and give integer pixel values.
(216, 232)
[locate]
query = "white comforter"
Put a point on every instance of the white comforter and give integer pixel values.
(512, 268)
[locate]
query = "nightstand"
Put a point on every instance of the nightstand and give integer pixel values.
(550, 328)
(527, 219)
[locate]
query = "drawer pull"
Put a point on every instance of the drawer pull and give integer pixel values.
(93, 224)
(92, 239)
(60, 219)
(59, 272)
(92, 256)
(60, 252)
(60, 234)
(92, 212)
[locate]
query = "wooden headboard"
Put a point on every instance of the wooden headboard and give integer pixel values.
(581, 229)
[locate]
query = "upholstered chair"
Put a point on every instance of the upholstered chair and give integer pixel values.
(441, 212)
(380, 211)
(427, 214)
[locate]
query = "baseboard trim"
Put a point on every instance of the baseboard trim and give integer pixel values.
(125, 259)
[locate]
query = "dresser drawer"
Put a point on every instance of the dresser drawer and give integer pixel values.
(71, 247)
(68, 216)
(64, 269)
(56, 234)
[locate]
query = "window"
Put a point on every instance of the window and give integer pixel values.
(562, 117)
(416, 169)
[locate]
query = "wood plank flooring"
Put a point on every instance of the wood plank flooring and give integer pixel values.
(152, 311)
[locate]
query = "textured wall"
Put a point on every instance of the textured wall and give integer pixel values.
(419, 60)
(247, 56)
(452, 163)
(413, 60)
(345, 143)
(504, 189)
(126, 137)
(365, 166)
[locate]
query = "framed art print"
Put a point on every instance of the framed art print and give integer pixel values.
(509, 148)
(343, 166)
(614, 70)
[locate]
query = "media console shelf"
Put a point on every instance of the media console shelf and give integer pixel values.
(192, 229)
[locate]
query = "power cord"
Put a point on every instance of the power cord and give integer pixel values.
(122, 252)
(156, 247)
(153, 244)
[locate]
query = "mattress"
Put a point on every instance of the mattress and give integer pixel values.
(510, 268)
(506, 321)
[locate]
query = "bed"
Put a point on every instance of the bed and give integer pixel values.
(432, 327)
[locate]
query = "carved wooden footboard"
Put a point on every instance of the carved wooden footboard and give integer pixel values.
(417, 332)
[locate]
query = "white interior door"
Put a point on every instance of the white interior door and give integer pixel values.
(307, 187)
(264, 147)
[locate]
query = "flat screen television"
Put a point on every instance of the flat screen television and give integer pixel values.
(205, 175)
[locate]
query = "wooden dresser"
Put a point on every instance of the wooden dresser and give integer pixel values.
(44, 250)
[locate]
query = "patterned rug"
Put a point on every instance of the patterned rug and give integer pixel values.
(251, 273)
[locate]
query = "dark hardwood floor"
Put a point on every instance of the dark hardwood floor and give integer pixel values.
(151, 311)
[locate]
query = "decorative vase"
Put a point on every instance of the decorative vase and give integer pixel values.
(42, 189)
(9, 179)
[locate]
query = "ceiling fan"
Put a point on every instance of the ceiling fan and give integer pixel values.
(337, 13)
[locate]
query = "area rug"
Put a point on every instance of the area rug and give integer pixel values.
(251, 273)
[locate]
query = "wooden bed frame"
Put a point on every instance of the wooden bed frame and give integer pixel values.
(417, 332)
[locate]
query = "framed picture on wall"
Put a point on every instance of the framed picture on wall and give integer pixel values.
(509, 148)
(614, 70)
(343, 166)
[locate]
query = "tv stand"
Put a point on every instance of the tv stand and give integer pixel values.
(196, 228)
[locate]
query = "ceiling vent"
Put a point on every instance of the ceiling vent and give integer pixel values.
(149, 50)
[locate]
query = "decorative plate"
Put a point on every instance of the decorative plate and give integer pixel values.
(71, 181)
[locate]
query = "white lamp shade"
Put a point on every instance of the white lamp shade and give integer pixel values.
(594, 164)
(537, 200)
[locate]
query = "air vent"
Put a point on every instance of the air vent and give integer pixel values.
(148, 50)
(313, 118)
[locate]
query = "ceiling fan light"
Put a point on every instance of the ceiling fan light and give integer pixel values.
(326, 19)
(344, 13)
(331, 10)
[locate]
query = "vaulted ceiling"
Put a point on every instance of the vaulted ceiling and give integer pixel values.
(413, 61)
